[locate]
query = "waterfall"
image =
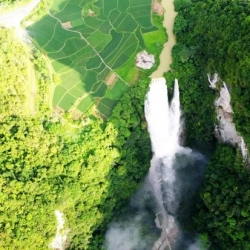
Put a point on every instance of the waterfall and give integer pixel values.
(163, 120)
(163, 125)
(174, 176)
(168, 187)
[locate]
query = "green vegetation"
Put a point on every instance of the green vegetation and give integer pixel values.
(216, 42)
(90, 9)
(46, 165)
(15, 68)
(9, 1)
(193, 83)
(40, 10)
(212, 37)
(50, 162)
(8, 4)
(155, 39)
(88, 40)
(224, 211)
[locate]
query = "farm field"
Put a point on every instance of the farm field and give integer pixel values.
(92, 47)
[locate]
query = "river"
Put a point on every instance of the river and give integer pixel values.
(165, 56)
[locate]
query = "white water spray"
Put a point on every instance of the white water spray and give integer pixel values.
(163, 121)
(163, 125)
(174, 176)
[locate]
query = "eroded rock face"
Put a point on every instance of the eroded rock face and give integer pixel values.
(60, 240)
(145, 60)
(225, 131)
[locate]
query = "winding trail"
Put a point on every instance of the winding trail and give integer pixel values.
(14, 17)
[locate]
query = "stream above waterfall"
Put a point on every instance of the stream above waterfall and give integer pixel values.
(175, 174)
(168, 23)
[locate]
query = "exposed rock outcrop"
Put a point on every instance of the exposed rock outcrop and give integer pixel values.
(225, 131)
(169, 233)
(60, 240)
(145, 60)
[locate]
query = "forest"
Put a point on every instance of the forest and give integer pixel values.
(49, 162)
(211, 37)
(89, 173)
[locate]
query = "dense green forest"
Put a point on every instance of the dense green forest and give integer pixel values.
(223, 214)
(211, 36)
(50, 162)
(88, 173)
(14, 69)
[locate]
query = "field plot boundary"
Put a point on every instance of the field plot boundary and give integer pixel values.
(86, 42)
(73, 31)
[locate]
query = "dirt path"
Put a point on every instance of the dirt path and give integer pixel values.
(13, 18)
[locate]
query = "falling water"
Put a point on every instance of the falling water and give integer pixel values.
(163, 121)
(174, 176)
(164, 124)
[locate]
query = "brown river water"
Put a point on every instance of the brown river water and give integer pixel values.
(165, 56)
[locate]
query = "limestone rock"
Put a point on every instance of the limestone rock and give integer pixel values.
(213, 79)
(60, 240)
(225, 131)
(145, 60)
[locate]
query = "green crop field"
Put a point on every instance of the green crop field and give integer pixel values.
(87, 41)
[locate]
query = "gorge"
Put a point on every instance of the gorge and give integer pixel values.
(132, 177)
(169, 160)
(175, 175)
(165, 183)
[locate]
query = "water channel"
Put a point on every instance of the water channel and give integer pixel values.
(165, 56)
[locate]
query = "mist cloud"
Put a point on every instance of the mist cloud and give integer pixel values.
(125, 236)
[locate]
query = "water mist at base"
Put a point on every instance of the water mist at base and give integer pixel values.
(165, 197)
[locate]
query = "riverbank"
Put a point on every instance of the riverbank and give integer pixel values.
(168, 23)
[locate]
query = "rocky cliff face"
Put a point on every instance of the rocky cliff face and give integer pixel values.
(225, 130)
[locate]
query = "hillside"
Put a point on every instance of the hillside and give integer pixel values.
(87, 169)
(212, 38)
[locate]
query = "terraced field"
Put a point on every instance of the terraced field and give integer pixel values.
(92, 46)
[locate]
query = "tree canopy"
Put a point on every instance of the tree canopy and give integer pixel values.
(212, 37)
(47, 163)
